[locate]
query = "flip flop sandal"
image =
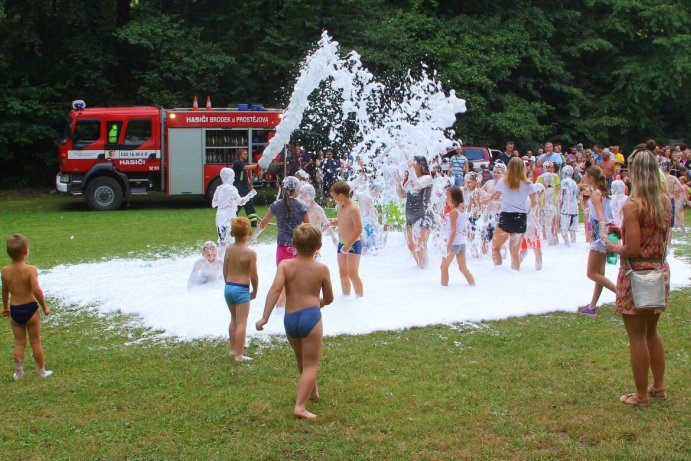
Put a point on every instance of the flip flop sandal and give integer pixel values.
(657, 393)
(633, 400)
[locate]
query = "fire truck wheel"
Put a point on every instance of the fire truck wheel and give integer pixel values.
(104, 194)
(212, 189)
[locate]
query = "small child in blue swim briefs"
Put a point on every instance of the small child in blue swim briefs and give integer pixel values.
(239, 270)
(349, 225)
(21, 297)
(303, 279)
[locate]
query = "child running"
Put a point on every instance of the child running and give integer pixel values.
(239, 270)
(303, 279)
(456, 223)
(20, 288)
(289, 212)
(349, 250)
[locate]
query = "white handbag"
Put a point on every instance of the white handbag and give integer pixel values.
(648, 287)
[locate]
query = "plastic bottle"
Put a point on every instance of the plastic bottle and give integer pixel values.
(612, 258)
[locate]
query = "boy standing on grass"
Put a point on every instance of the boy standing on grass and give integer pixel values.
(20, 286)
(303, 279)
(239, 270)
(349, 225)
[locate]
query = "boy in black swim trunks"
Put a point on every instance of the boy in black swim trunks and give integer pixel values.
(303, 279)
(20, 287)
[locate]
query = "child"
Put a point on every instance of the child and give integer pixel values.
(239, 270)
(289, 212)
(349, 230)
(374, 234)
(531, 238)
(585, 206)
(316, 214)
(619, 197)
(600, 217)
(20, 286)
(302, 278)
(456, 223)
(569, 206)
(208, 268)
(226, 200)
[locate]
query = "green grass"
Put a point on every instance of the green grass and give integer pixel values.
(537, 387)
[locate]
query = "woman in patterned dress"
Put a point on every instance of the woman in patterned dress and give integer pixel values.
(647, 218)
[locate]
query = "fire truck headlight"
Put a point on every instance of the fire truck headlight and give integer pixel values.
(281, 115)
(172, 115)
(65, 178)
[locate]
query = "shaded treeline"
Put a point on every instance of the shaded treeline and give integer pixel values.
(607, 71)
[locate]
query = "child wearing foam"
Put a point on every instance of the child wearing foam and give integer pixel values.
(316, 214)
(455, 246)
(20, 288)
(303, 279)
(531, 238)
(618, 199)
(208, 268)
(226, 200)
(568, 200)
(239, 270)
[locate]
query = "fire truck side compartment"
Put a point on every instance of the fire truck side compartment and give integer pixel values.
(185, 161)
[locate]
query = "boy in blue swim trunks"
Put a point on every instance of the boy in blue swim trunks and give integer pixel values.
(349, 225)
(303, 279)
(239, 270)
(20, 288)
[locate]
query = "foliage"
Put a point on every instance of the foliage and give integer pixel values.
(606, 71)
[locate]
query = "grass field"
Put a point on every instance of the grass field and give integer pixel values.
(537, 387)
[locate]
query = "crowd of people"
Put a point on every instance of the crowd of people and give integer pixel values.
(508, 203)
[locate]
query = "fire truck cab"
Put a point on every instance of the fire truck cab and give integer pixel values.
(110, 153)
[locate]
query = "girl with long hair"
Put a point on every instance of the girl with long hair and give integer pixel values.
(647, 218)
(513, 190)
(600, 217)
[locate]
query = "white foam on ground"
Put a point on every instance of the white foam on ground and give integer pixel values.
(398, 295)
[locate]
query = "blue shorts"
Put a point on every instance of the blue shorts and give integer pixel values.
(23, 312)
(300, 323)
(355, 249)
(236, 293)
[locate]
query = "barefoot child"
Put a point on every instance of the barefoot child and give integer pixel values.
(302, 278)
(455, 247)
(20, 287)
(349, 226)
(239, 270)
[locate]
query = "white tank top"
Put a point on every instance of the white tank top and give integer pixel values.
(459, 238)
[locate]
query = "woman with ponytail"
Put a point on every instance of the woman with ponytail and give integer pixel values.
(600, 217)
(647, 218)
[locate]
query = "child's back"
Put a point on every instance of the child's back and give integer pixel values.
(304, 278)
(238, 260)
(21, 296)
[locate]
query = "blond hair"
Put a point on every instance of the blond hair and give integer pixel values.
(647, 186)
(17, 245)
(307, 238)
(515, 174)
(240, 228)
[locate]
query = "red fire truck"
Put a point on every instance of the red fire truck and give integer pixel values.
(109, 153)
